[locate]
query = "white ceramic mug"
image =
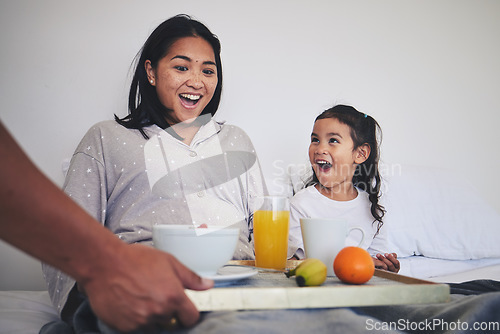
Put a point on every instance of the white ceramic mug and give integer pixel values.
(324, 238)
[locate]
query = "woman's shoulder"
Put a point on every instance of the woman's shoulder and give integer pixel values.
(106, 133)
(230, 128)
(104, 126)
(234, 134)
(110, 127)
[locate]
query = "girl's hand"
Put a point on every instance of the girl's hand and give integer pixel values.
(388, 262)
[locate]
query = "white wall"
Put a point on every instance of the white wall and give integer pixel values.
(428, 71)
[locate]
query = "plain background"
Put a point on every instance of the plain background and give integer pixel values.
(428, 71)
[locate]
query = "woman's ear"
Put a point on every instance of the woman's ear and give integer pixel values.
(150, 72)
(362, 153)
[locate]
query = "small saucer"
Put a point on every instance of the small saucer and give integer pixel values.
(230, 273)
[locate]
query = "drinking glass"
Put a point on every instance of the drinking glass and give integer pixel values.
(270, 230)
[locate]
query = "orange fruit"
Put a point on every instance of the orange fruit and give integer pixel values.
(353, 265)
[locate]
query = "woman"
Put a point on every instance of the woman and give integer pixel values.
(168, 161)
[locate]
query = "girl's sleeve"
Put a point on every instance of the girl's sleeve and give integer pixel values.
(379, 243)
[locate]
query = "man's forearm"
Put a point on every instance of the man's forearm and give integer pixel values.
(37, 217)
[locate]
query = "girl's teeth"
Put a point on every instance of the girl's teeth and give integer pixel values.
(323, 164)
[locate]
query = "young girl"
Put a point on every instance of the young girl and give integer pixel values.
(344, 155)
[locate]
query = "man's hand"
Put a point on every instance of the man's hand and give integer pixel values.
(144, 289)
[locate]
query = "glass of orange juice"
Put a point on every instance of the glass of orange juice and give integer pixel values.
(270, 231)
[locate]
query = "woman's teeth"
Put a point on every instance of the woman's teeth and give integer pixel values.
(190, 97)
(190, 100)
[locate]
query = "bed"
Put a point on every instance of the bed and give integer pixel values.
(442, 231)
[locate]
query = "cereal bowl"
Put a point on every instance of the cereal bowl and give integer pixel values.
(203, 250)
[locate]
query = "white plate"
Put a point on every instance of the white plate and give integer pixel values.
(232, 273)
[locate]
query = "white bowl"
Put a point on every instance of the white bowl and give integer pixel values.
(203, 250)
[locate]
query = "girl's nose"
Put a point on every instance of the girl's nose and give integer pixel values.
(321, 149)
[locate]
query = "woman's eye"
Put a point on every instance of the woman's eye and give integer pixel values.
(181, 68)
(209, 72)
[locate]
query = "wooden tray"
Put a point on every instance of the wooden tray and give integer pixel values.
(275, 291)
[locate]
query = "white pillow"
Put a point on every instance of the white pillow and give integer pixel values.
(434, 213)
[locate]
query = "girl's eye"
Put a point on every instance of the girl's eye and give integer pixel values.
(209, 72)
(333, 141)
(314, 140)
(181, 68)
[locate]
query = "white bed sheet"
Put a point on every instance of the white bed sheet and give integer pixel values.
(450, 271)
(25, 312)
(489, 273)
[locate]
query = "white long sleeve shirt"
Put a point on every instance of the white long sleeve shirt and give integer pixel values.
(310, 203)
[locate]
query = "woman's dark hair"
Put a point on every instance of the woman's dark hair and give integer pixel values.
(364, 130)
(144, 107)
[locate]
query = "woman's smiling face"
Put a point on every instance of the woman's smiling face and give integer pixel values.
(186, 78)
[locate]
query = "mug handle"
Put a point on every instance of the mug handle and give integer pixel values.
(362, 233)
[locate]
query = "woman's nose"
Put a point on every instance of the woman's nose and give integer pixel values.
(195, 81)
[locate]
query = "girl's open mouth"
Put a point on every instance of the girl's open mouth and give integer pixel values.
(189, 100)
(324, 166)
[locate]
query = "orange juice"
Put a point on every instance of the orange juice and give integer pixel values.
(270, 230)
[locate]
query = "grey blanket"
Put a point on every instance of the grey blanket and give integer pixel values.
(474, 308)
(461, 315)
